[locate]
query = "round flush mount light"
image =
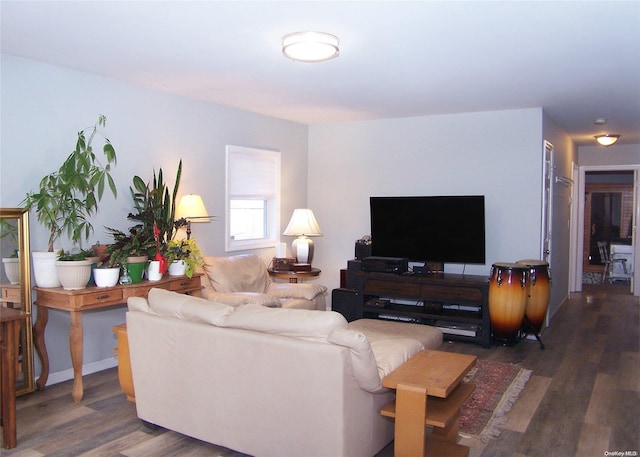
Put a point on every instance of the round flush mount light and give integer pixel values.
(310, 46)
(607, 139)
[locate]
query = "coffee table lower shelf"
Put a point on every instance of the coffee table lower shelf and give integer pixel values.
(443, 414)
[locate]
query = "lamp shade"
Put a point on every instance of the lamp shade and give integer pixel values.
(303, 222)
(191, 207)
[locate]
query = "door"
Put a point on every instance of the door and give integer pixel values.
(547, 168)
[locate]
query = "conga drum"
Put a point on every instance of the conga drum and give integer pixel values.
(539, 292)
(507, 300)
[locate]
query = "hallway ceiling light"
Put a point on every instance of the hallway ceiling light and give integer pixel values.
(310, 46)
(607, 139)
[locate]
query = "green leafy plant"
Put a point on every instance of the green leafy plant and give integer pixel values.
(7, 229)
(138, 242)
(186, 250)
(154, 204)
(67, 197)
(71, 256)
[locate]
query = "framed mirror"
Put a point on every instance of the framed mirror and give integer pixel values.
(15, 285)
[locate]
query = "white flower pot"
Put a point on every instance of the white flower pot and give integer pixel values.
(12, 269)
(106, 277)
(153, 271)
(177, 268)
(44, 269)
(74, 274)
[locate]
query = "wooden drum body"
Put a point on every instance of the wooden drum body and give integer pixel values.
(507, 300)
(539, 292)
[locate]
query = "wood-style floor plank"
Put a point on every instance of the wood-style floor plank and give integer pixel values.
(582, 399)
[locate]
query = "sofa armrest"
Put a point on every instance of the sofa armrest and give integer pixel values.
(287, 290)
(363, 362)
(242, 298)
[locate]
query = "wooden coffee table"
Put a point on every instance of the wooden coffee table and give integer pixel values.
(429, 392)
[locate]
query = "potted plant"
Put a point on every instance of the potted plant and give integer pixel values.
(132, 250)
(74, 269)
(67, 197)
(12, 262)
(183, 257)
(107, 271)
(155, 208)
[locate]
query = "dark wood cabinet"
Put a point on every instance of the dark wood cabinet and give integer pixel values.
(457, 304)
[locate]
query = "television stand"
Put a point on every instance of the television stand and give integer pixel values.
(456, 304)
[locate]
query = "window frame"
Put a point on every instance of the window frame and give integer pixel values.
(272, 224)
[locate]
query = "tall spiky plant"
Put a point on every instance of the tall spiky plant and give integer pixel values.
(154, 203)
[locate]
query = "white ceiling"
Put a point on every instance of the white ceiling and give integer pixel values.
(579, 60)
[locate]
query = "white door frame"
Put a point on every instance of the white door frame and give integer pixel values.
(579, 244)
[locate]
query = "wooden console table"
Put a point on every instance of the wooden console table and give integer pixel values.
(75, 302)
(429, 392)
(9, 340)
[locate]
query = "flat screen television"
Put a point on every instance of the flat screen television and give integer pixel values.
(448, 229)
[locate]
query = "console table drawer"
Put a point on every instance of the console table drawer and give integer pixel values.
(381, 287)
(186, 284)
(102, 296)
(448, 293)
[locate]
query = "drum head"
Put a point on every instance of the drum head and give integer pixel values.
(509, 266)
(533, 262)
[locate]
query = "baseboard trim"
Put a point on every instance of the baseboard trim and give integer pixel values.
(93, 367)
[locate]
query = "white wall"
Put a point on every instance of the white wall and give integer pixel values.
(564, 158)
(618, 154)
(43, 108)
(496, 154)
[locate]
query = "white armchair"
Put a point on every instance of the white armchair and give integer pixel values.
(243, 279)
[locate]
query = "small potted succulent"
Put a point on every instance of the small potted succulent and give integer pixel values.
(183, 257)
(106, 272)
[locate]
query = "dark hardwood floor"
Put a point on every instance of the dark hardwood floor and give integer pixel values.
(583, 398)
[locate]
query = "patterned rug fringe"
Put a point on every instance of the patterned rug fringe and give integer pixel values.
(492, 428)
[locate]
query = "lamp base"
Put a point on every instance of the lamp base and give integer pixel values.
(302, 249)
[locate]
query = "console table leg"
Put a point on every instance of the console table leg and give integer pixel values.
(75, 347)
(411, 414)
(41, 348)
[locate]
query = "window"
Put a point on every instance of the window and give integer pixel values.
(252, 198)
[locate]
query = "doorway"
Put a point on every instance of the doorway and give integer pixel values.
(608, 207)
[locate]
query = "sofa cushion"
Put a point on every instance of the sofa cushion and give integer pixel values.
(306, 324)
(181, 306)
(242, 298)
(376, 329)
(393, 343)
(363, 362)
(239, 273)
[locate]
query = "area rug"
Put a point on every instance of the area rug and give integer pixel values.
(498, 386)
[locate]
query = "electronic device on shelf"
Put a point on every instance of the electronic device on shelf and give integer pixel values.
(448, 229)
(385, 265)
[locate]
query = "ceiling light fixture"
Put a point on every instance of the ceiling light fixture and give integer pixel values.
(607, 139)
(310, 46)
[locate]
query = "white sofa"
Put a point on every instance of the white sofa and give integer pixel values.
(243, 279)
(267, 381)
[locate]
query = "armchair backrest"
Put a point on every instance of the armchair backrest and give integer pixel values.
(239, 273)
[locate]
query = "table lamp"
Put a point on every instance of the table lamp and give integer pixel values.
(191, 209)
(303, 224)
